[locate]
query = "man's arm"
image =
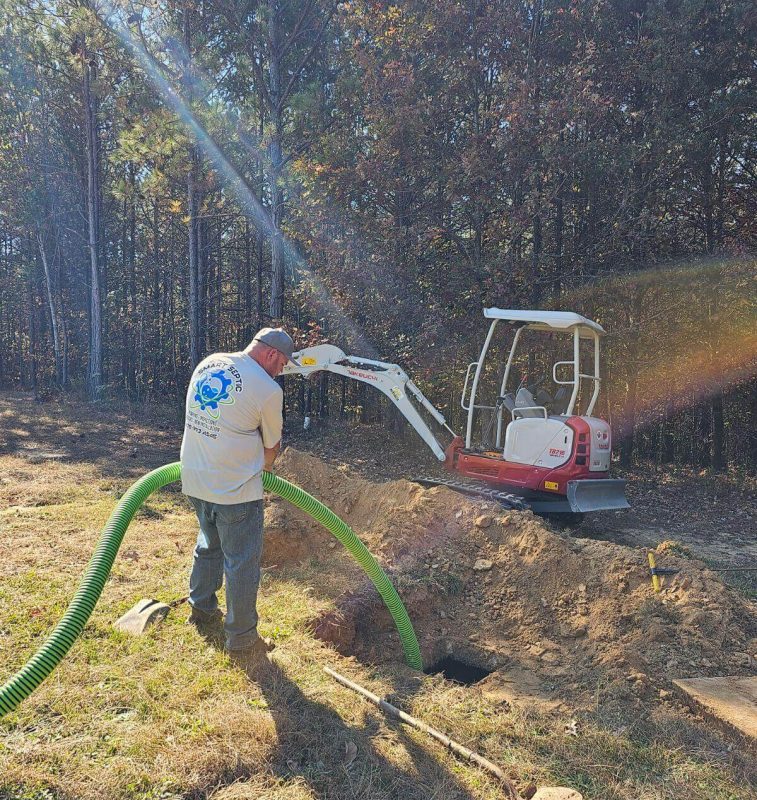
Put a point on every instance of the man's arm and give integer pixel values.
(270, 454)
(271, 423)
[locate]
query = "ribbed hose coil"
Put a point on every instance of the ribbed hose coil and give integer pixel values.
(52, 652)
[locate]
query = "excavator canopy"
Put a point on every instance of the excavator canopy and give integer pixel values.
(548, 320)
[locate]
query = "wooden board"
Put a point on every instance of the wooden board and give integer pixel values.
(730, 700)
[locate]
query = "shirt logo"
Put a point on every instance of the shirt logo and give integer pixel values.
(211, 391)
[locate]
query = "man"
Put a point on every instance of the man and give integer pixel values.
(232, 433)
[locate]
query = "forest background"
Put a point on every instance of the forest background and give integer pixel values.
(175, 175)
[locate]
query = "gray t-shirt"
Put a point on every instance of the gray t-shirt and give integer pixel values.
(233, 410)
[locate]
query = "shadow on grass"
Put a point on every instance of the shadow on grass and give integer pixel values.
(313, 739)
(312, 745)
(121, 440)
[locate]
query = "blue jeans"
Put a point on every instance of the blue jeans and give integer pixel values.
(230, 543)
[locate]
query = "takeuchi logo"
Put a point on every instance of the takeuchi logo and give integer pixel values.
(211, 391)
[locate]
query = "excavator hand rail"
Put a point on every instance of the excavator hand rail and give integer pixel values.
(465, 386)
(554, 372)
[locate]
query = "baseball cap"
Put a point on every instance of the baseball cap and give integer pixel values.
(277, 338)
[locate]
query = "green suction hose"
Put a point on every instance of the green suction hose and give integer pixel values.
(359, 552)
(44, 661)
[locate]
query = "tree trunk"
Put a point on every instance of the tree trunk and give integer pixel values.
(276, 306)
(247, 288)
(629, 424)
(363, 395)
(702, 435)
(751, 431)
(206, 292)
(193, 204)
(94, 377)
(218, 244)
(705, 166)
(64, 370)
(323, 395)
(33, 336)
(195, 282)
(559, 229)
(51, 307)
(261, 189)
(259, 276)
(536, 290)
(667, 446)
(131, 309)
(713, 452)
(718, 432)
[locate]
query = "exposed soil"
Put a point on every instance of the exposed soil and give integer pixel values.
(121, 441)
(562, 620)
(714, 517)
(559, 618)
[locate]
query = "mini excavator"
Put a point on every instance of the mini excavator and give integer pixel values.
(534, 448)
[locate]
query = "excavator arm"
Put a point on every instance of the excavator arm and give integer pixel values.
(390, 379)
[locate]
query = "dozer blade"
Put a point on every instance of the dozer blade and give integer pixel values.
(607, 494)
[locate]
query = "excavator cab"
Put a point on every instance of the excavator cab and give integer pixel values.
(530, 399)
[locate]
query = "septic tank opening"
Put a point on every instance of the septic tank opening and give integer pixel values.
(453, 669)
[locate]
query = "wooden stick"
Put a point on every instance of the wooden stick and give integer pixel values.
(450, 744)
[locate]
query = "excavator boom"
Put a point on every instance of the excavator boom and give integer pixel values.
(390, 379)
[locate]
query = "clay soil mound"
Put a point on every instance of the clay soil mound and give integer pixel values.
(555, 617)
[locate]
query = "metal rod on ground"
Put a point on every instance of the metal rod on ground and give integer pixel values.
(450, 744)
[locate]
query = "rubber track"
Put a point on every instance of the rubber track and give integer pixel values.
(476, 490)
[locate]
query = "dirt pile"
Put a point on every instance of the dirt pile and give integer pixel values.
(392, 517)
(554, 616)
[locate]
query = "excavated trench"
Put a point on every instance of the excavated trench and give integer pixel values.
(500, 601)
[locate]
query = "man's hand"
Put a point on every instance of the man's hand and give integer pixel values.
(270, 454)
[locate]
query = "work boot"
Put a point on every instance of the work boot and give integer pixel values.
(204, 619)
(252, 656)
